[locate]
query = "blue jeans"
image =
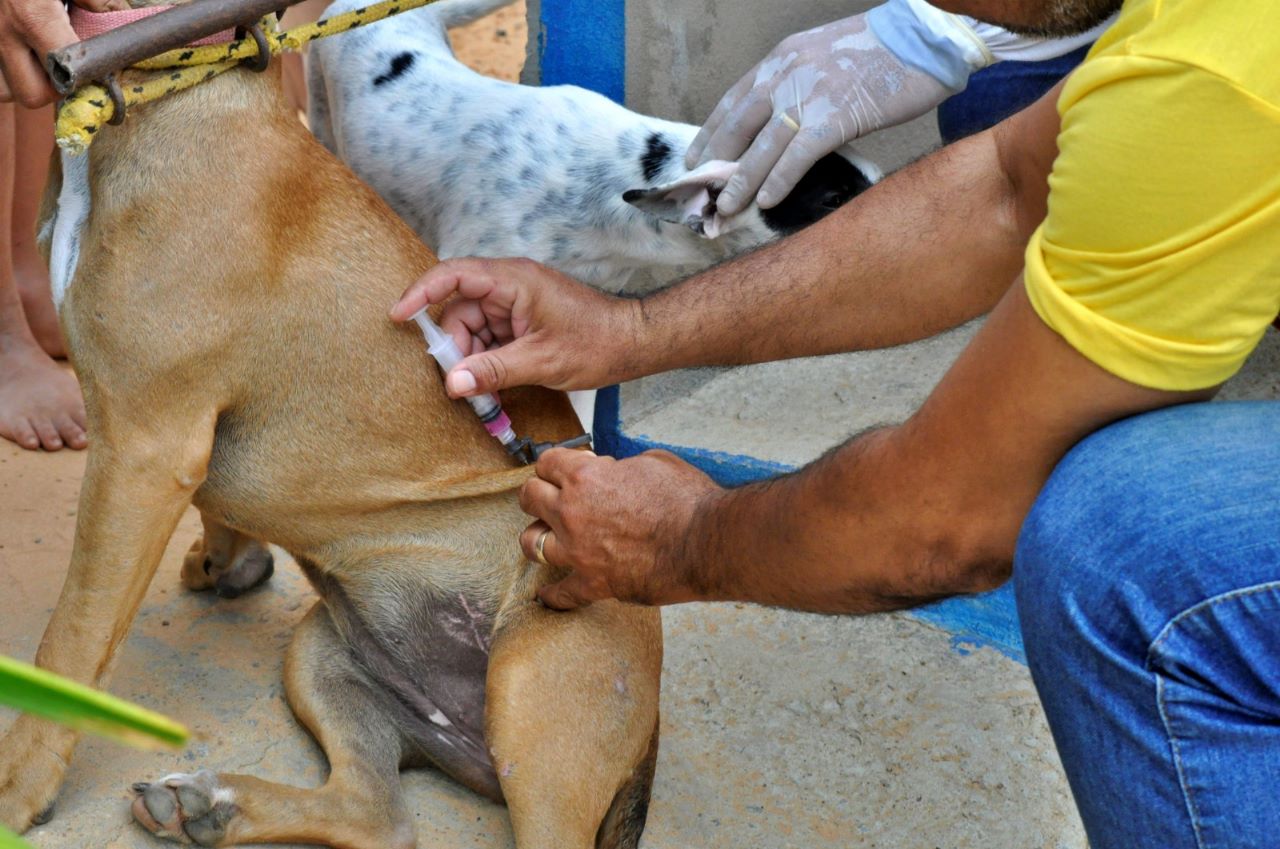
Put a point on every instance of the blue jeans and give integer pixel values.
(997, 92)
(1148, 585)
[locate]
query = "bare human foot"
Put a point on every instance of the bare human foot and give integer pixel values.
(40, 403)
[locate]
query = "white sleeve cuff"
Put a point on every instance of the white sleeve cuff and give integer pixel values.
(957, 30)
(1006, 46)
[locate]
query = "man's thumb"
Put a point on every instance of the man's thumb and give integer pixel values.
(481, 373)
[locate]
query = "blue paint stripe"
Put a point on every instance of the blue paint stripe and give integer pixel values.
(584, 43)
(724, 468)
(989, 619)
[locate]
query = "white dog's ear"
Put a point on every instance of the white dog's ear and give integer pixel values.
(690, 201)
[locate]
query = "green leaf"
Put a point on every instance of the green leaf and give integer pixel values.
(42, 693)
(9, 840)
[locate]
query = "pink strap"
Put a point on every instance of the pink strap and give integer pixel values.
(88, 24)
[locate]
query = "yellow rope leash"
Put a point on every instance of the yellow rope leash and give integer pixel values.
(85, 111)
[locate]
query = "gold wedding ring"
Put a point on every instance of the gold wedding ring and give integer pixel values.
(538, 545)
(789, 121)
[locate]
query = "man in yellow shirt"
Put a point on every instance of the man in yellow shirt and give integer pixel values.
(1126, 230)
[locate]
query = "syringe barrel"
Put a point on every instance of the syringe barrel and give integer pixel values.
(486, 406)
(447, 354)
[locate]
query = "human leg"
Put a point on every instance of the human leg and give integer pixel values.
(40, 404)
(1148, 583)
(33, 132)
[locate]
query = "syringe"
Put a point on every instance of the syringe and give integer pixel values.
(441, 346)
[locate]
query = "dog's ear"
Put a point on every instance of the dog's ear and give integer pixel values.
(690, 201)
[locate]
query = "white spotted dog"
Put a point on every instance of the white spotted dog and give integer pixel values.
(482, 167)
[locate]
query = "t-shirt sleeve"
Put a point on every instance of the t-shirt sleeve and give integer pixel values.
(1159, 258)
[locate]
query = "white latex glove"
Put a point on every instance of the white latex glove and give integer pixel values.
(816, 91)
(822, 88)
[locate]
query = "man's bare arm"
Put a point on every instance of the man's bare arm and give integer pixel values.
(929, 248)
(897, 517)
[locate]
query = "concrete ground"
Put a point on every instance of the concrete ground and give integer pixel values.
(791, 412)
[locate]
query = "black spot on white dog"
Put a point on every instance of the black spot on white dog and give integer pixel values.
(657, 151)
(400, 63)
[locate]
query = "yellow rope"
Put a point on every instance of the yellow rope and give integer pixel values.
(84, 112)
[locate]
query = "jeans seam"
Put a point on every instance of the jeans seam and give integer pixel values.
(1192, 810)
(1165, 632)
(1241, 592)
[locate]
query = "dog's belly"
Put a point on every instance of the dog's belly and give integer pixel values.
(423, 657)
(411, 588)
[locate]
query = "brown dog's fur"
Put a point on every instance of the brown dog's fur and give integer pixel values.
(228, 324)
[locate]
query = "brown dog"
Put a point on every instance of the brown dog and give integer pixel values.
(228, 322)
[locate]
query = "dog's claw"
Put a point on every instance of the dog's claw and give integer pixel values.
(140, 787)
(44, 816)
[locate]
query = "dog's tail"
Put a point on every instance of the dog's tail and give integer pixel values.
(455, 13)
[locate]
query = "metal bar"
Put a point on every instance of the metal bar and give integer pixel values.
(95, 58)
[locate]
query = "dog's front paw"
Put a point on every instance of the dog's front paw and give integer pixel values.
(229, 567)
(31, 771)
(188, 808)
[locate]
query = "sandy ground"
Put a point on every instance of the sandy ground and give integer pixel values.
(494, 45)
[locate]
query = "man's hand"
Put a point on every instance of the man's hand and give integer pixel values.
(619, 525)
(525, 324)
(29, 29)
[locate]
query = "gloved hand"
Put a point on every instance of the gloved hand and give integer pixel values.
(825, 87)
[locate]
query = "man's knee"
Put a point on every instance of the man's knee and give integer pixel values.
(1144, 518)
(1096, 508)
(1088, 519)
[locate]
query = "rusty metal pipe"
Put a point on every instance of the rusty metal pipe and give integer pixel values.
(96, 58)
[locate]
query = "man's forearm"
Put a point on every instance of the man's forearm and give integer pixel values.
(926, 509)
(847, 534)
(930, 247)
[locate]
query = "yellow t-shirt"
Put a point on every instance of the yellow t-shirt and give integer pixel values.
(1159, 259)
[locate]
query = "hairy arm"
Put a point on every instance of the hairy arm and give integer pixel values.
(898, 517)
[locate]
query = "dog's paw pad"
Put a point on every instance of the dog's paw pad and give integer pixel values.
(188, 808)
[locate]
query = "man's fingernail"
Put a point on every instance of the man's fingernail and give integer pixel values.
(461, 381)
(764, 199)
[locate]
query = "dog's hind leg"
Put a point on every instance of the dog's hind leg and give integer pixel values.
(573, 720)
(358, 807)
(140, 476)
(226, 561)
